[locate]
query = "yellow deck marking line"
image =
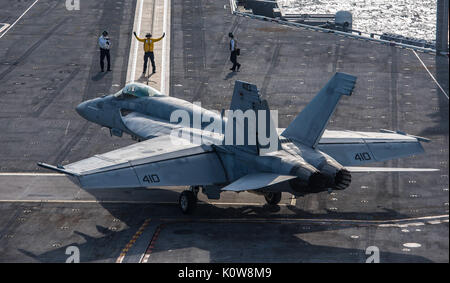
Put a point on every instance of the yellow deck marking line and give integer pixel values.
(151, 246)
(423, 64)
(132, 241)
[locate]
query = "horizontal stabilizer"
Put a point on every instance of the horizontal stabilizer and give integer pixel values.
(387, 169)
(256, 181)
(360, 148)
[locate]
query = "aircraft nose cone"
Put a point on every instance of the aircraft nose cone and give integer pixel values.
(82, 109)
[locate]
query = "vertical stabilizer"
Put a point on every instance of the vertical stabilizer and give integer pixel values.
(310, 124)
(249, 121)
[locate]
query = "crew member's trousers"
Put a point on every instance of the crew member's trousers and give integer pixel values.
(233, 59)
(105, 53)
(152, 60)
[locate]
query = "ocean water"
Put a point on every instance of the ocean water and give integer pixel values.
(412, 18)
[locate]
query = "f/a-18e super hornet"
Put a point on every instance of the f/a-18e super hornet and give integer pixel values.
(306, 158)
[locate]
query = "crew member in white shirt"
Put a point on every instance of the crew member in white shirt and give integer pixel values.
(234, 53)
(105, 45)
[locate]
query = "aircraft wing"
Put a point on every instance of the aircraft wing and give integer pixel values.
(147, 127)
(359, 148)
(162, 161)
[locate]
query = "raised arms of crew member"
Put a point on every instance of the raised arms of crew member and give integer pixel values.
(148, 41)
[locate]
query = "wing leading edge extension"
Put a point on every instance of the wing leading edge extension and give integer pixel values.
(147, 127)
(256, 181)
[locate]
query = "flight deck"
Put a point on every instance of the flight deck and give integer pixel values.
(49, 63)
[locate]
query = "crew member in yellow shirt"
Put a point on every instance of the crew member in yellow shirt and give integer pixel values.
(148, 49)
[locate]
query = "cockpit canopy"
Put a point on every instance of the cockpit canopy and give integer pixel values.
(134, 90)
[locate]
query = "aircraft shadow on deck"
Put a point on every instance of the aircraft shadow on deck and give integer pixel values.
(108, 247)
(99, 249)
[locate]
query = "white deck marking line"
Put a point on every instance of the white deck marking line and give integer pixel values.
(67, 128)
(135, 42)
(316, 221)
(11, 26)
(31, 174)
(57, 201)
(432, 217)
(4, 26)
(423, 64)
(116, 202)
(233, 203)
(163, 59)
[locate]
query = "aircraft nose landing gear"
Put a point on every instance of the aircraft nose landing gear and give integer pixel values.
(188, 200)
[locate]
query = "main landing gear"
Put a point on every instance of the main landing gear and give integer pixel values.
(188, 200)
(273, 198)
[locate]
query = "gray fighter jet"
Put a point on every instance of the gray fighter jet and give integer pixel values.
(304, 158)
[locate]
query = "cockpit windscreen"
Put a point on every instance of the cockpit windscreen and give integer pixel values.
(135, 90)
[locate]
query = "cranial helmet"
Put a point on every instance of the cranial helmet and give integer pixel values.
(105, 33)
(148, 35)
